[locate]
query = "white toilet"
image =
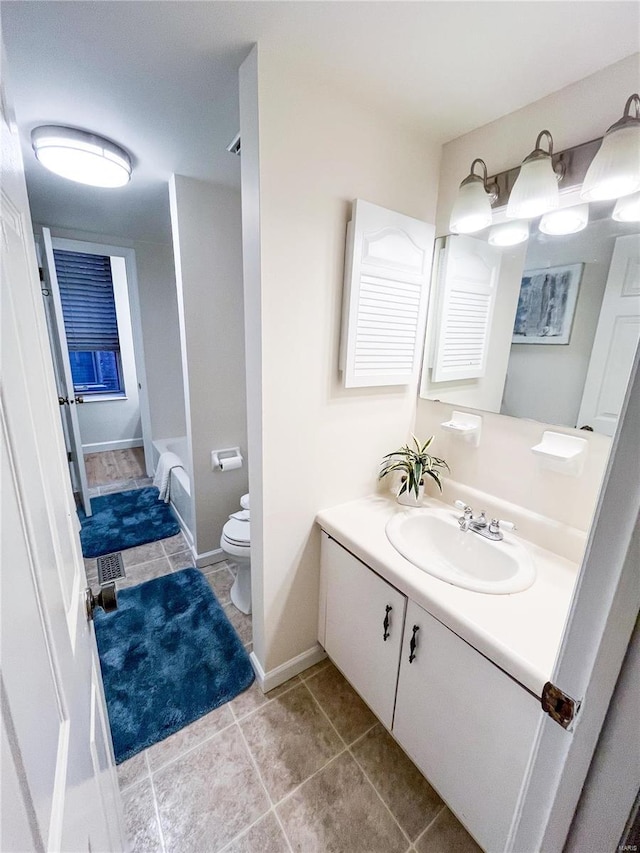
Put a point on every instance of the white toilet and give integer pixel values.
(236, 542)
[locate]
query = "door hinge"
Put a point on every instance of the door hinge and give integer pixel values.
(69, 456)
(558, 705)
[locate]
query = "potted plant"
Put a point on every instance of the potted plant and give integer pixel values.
(415, 464)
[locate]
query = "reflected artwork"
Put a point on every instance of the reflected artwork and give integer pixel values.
(546, 305)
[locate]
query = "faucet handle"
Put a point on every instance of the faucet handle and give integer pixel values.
(498, 524)
(463, 506)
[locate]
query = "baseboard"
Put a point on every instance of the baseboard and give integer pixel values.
(275, 677)
(209, 558)
(123, 444)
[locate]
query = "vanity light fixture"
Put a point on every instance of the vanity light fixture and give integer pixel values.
(472, 208)
(627, 208)
(615, 170)
(81, 156)
(509, 233)
(567, 220)
(536, 188)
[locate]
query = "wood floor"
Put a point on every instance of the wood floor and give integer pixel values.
(112, 466)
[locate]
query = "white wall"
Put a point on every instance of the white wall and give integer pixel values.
(161, 332)
(206, 225)
(503, 464)
(319, 443)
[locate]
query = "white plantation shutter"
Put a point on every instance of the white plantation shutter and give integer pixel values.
(468, 286)
(387, 267)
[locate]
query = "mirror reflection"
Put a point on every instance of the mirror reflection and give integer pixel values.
(546, 329)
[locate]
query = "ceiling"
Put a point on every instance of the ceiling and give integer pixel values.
(160, 77)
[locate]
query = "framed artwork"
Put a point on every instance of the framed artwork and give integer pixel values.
(546, 305)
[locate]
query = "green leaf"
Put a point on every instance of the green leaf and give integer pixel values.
(434, 476)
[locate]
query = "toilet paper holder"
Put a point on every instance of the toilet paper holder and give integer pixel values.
(226, 459)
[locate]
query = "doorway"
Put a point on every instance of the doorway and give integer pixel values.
(95, 333)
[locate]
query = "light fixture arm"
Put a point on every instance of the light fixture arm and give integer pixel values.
(547, 134)
(628, 119)
(635, 101)
(490, 189)
(484, 170)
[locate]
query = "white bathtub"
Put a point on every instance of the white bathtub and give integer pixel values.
(180, 482)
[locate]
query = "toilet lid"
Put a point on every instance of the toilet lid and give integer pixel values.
(238, 530)
(244, 502)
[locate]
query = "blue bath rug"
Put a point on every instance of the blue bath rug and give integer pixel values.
(125, 519)
(168, 655)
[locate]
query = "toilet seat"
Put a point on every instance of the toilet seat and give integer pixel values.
(237, 531)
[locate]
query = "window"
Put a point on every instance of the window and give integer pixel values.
(90, 323)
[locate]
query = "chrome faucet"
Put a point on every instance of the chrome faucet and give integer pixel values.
(465, 520)
(490, 530)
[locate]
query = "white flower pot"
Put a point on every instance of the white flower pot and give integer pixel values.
(409, 498)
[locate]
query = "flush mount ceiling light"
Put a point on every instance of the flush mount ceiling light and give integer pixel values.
(568, 220)
(472, 208)
(615, 170)
(536, 188)
(509, 233)
(627, 209)
(81, 156)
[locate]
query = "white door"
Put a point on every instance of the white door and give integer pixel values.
(616, 340)
(68, 400)
(364, 623)
(59, 787)
(603, 613)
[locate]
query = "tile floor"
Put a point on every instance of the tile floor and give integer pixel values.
(304, 768)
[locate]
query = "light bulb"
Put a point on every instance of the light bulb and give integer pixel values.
(472, 207)
(509, 233)
(567, 220)
(615, 170)
(627, 209)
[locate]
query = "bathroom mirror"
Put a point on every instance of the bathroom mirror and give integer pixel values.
(546, 329)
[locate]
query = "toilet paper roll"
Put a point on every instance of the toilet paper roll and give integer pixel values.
(231, 463)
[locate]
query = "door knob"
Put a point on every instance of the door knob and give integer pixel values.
(63, 401)
(107, 598)
(79, 399)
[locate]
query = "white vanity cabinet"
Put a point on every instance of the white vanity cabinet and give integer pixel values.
(467, 725)
(363, 627)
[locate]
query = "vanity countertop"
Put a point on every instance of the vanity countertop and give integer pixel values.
(520, 632)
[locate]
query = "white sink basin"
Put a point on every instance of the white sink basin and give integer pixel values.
(432, 540)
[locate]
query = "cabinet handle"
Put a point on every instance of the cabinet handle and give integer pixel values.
(412, 644)
(385, 624)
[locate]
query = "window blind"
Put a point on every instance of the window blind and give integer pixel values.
(88, 303)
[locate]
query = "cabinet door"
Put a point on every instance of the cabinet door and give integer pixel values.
(358, 601)
(466, 724)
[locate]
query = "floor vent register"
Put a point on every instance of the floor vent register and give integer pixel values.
(110, 567)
